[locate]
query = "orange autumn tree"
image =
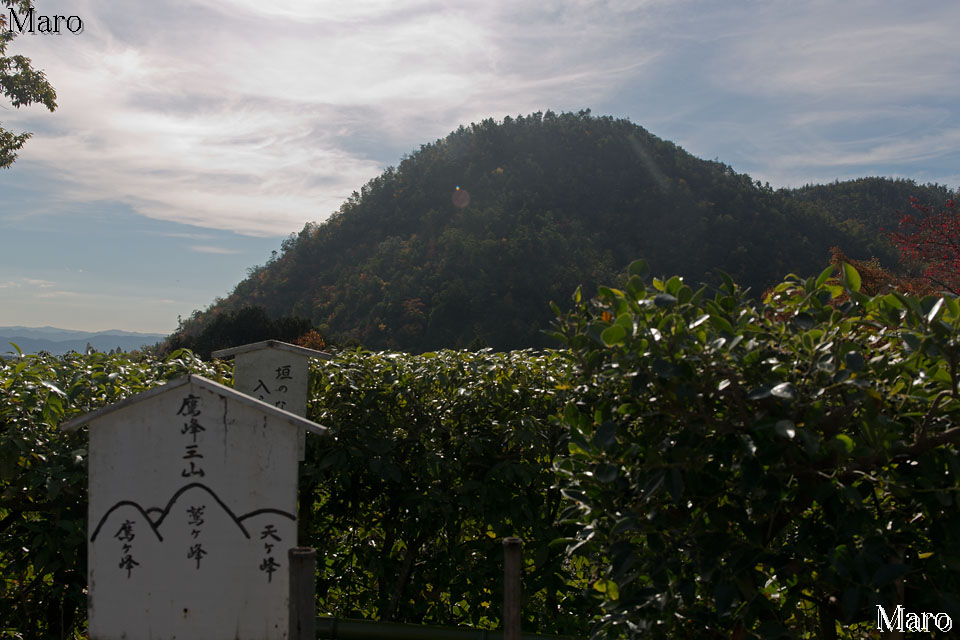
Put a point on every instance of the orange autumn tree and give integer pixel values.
(874, 279)
(312, 340)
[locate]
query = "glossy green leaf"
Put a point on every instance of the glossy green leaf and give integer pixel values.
(57, 390)
(934, 310)
(721, 323)
(824, 276)
(639, 268)
(608, 588)
(846, 441)
(613, 335)
(854, 361)
(664, 300)
(673, 285)
(784, 391)
(785, 429)
(851, 277)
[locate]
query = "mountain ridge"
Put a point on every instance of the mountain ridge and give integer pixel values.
(57, 341)
(466, 242)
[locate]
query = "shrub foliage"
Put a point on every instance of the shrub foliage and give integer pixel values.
(433, 460)
(764, 470)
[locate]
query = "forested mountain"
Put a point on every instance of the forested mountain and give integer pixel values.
(864, 206)
(466, 242)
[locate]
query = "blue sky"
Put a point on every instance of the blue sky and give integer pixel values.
(193, 136)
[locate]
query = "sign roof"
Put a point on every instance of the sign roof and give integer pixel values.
(272, 344)
(203, 383)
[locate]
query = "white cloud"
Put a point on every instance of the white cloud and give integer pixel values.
(315, 10)
(36, 282)
(182, 235)
(908, 117)
(212, 249)
(259, 116)
(35, 288)
(835, 51)
(797, 92)
(879, 151)
(29, 283)
(250, 123)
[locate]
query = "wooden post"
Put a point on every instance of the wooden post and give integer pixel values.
(303, 608)
(511, 588)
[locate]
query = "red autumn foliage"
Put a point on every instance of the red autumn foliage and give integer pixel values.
(929, 242)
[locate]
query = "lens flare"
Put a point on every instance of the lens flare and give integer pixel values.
(460, 197)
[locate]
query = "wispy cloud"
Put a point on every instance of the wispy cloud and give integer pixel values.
(880, 151)
(35, 289)
(266, 121)
(774, 88)
(28, 283)
(182, 235)
(36, 282)
(259, 116)
(212, 249)
(836, 51)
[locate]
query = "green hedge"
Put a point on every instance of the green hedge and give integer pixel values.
(433, 460)
(770, 470)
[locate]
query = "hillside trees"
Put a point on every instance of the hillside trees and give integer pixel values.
(769, 470)
(21, 84)
(245, 325)
(929, 241)
(866, 206)
(556, 201)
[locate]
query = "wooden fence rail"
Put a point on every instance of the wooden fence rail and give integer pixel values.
(340, 629)
(305, 626)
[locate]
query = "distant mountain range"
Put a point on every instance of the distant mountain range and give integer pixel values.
(61, 341)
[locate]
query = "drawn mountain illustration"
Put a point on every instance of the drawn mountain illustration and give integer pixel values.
(203, 504)
(195, 540)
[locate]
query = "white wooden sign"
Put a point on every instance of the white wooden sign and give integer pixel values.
(192, 509)
(275, 372)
